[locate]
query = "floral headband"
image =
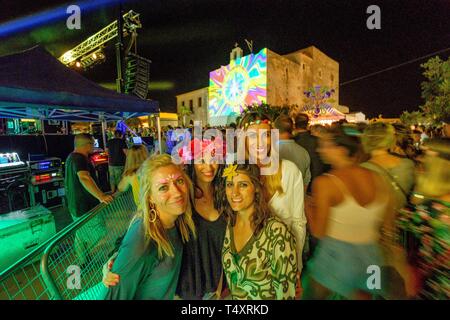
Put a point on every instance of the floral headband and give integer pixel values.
(230, 172)
(190, 152)
(266, 121)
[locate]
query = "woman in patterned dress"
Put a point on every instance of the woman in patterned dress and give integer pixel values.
(428, 222)
(259, 254)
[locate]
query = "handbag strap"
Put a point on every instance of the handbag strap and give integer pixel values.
(390, 178)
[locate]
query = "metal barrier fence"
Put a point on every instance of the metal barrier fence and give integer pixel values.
(23, 280)
(71, 262)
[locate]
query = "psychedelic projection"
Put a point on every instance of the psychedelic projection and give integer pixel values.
(242, 82)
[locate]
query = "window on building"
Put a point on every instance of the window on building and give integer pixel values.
(320, 74)
(182, 103)
(191, 105)
(303, 65)
(332, 78)
(199, 102)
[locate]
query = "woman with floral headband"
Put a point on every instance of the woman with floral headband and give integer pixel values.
(283, 189)
(259, 256)
(201, 273)
(149, 259)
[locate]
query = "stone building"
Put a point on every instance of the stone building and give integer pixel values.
(278, 80)
(195, 106)
(289, 75)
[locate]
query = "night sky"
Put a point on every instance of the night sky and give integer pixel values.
(187, 39)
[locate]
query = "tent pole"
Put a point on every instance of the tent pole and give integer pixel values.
(158, 122)
(104, 132)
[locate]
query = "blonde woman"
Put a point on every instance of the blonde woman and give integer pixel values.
(284, 189)
(378, 139)
(136, 155)
(149, 259)
(398, 172)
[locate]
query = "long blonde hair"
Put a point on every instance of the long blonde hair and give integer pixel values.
(272, 183)
(136, 155)
(154, 231)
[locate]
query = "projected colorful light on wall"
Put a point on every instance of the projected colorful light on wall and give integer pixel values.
(242, 82)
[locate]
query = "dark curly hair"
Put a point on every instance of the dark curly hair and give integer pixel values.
(262, 210)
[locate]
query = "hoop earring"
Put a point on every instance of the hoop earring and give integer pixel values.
(152, 213)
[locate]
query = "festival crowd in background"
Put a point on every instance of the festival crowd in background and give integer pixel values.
(346, 203)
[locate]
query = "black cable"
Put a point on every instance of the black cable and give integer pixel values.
(393, 67)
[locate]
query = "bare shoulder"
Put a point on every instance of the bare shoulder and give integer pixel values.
(321, 184)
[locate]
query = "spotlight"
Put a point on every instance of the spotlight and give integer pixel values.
(78, 64)
(94, 56)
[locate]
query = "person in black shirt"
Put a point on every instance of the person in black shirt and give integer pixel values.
(80, 180)
(82, 192)
(304, 138)
(116, 149)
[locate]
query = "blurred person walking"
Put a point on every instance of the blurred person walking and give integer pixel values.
(348, 206)
(377, 140)
(136, 155)
(428, 222)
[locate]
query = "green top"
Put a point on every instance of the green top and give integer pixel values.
(144, 276)
(265, 268)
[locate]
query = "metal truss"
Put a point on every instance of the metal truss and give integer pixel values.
(131, 22)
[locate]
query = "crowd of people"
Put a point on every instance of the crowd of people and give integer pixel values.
(351, 212)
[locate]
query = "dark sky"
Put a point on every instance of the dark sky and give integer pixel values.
(187, 39)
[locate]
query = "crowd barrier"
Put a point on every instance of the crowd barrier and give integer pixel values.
(69, 265)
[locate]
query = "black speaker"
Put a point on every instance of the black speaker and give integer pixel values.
(137, 75)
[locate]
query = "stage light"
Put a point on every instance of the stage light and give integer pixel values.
(94, 56)
(68, 56)
(78, 64)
